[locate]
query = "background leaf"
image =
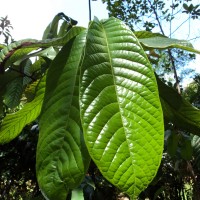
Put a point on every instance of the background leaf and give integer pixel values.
(177, 110)
(166, 43)
(120, 108)
(14, 90)
(13, 123)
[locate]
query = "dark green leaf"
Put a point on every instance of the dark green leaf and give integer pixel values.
(62, 157)
(13, 94)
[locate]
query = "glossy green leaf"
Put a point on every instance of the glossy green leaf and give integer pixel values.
(166, 43)
(120, 108)
(62, 157)
(177, 110)
(13, 123)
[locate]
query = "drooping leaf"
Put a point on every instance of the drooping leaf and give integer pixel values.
(166, 43)
(13, 123)
(52, 29)
(120, 108)
(177, 110)
(19, 50)
(62, 157)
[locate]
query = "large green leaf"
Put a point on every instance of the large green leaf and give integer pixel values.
(62, 157)
(177, 110)
(120, 108)
(13, 123)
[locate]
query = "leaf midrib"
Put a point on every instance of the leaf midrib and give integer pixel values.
(115, 85)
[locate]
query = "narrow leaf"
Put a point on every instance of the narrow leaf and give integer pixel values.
(62, 157)
(120, 108)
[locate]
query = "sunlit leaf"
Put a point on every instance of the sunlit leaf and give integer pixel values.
(120, 108)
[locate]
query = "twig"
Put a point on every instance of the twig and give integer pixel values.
(169, 51)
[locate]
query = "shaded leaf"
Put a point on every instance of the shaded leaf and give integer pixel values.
(13, 123)
(13, 94)
(186, 148)
(172, 143)
(62, 157)
(196, 151)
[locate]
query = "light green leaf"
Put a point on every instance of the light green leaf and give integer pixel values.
(166, 43)
(62, 157)
(13, 123)
(77, 194)
(120, 108)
